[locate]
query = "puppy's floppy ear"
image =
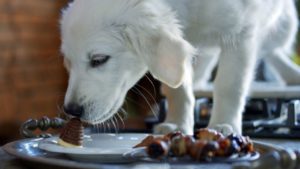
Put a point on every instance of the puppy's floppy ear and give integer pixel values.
(170, 58)
(166, 54)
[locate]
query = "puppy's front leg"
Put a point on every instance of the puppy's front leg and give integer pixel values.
(180, 114)
(234, 76)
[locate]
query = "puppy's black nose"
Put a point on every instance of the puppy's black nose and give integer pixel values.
(74, 109)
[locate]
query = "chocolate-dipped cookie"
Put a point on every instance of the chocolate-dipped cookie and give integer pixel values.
(72, 134)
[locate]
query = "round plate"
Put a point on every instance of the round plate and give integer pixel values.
(28, 150)
(97, 147)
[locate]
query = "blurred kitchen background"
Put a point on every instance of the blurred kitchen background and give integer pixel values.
(32, 77)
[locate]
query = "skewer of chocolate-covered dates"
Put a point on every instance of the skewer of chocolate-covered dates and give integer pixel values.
(205, 144)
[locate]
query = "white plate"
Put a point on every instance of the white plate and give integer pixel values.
(103, 148)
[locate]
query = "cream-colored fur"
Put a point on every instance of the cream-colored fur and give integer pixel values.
(164, 37)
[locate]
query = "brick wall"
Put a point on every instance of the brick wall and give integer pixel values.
(32, 77)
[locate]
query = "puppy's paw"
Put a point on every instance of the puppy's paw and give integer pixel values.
(225, 129)
(165, 128)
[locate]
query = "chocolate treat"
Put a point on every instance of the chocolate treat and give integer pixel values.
(204, 150)
(208, 134)
(234, 148)
(189, 142)
(178, 146)
(195, 150)
(72, 134)
(209, 150)
(224, 145)
(145, 142)
(238, 138)
(247, 146)
(173, 134)
(159, 148)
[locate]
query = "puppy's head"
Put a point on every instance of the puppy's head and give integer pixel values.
(109, 45)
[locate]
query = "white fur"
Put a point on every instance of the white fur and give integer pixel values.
(162, 36)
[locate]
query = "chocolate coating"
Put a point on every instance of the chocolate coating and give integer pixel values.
(158, 148)
(207, 134)
(72, 133)
(178, 146)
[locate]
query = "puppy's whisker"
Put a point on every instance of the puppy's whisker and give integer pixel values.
(152, 85)
(129, 99)
(108, 126)
(121, 119)
(144, 89)
(151, 97)
(116, 122)
(60, 110)
(98, 129)
(124, 113)
(95, 128)
(126, 103)
(101, 127)
(104, 128)
(146, 100)
(113, 124)
(133, 101)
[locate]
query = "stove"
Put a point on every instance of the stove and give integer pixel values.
(270, 112)
(262, 118)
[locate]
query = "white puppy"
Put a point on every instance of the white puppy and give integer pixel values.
(110, 44)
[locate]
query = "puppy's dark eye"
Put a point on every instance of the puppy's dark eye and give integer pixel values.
(98, 60)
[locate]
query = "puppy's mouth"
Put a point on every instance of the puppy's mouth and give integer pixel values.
(104, 117)
(101, 119)
(95, 117)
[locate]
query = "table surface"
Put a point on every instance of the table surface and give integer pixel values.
(9, 162)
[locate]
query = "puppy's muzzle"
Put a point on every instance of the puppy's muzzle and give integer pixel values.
(74, 109)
